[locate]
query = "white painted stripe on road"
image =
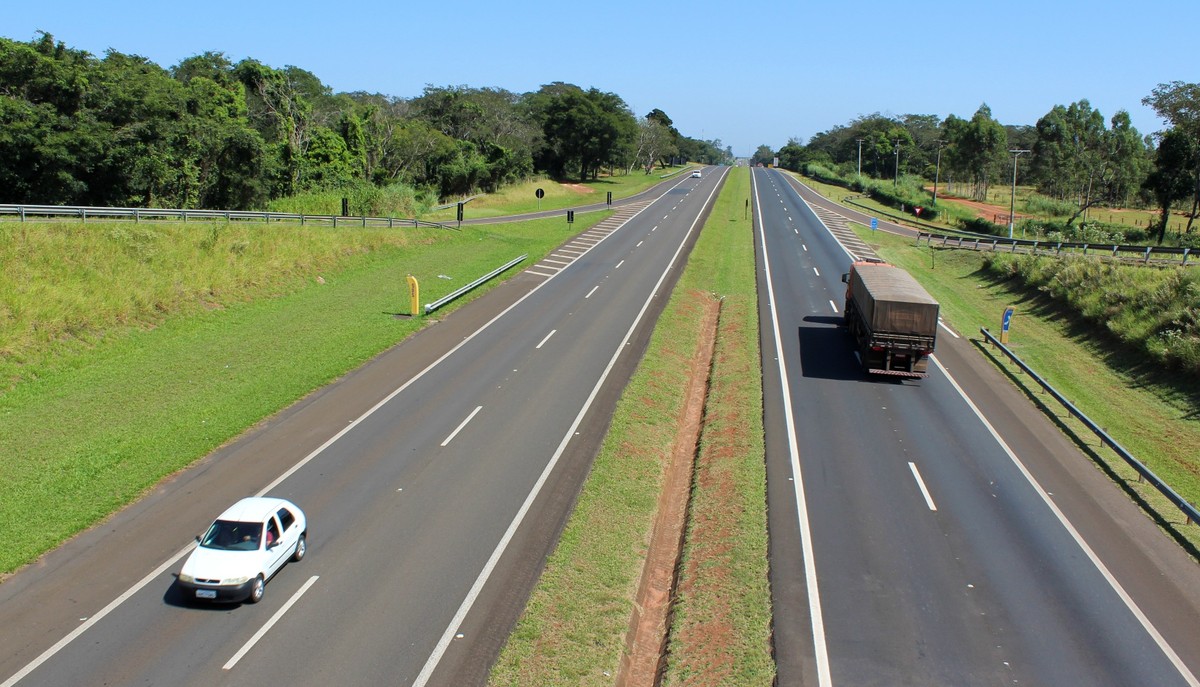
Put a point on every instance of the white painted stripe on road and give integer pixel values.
(619, 265)
(655, 228)
(804, 245)
(538, 274)
(797, 233)
(543, 343)
(639, 244)
(1161, 641)
(921, 483)
(436, 656)
(58, 646)
(816, 271)
(461, 425)
(834, 306)
(589, 294)
(952, 332)
(560, 262)
(262, 631)
(821, 652)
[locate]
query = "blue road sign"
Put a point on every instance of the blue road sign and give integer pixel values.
(874, 224)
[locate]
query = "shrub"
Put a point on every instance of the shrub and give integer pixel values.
(979, 225)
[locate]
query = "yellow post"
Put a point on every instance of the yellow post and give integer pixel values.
(414, 296)
(1005, 322)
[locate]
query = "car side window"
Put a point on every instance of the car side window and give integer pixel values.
(272, 531)
(286, 518)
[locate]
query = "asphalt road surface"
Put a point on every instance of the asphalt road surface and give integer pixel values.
(941, 531)
(435, 480)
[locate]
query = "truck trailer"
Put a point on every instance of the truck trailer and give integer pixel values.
(892, 318)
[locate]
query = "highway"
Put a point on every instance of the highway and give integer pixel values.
(435, 480)
(940, 531)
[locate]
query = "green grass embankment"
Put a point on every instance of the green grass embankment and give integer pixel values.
(573, 631)
(130, 351)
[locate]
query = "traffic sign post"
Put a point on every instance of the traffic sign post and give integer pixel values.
(460, 214)
(540, 194)
(414, 296)
(874, 224)
(1006, 322)
(570, 216)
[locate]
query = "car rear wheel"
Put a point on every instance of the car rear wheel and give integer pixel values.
(257, 591)
(301, 549)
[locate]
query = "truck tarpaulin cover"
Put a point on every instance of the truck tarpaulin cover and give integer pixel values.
(893, 302)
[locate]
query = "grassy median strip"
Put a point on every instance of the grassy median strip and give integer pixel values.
(1147, 410)
(155, 344)
(574, 629)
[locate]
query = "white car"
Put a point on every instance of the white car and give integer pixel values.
(695, 174)
(243, 548)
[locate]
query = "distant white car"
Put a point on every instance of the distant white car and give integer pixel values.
(696, 174)
(243, 549)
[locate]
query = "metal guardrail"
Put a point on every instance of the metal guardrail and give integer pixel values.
(23, 212)
(430, 307)
(1189, 510)
(978, 242)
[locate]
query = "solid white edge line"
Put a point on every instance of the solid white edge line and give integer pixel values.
(921, 483)
(1161, 641)
(451, 629)
(97, 617)
(262, 631)
(461, 425)
(543, 343)
(820, 650)
(74, 634)
(951, 331)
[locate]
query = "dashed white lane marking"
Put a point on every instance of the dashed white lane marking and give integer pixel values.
(262, 631)
(804, 245)
(461, 425)
(655, 228)
(833, 305)
(797, 232)
(816, 272)
(543, 343)
(589, 295)
(619, 265)
(921, 483)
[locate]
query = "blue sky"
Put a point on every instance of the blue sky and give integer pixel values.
(747, 73)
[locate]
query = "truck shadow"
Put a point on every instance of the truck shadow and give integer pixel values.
(826, 350)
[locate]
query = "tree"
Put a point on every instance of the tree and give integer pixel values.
(1178, 103)
(763, 156)
(976, 149)
(1171, 178)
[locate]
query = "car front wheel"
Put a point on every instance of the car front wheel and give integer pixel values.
(301, 549)
(257, 591)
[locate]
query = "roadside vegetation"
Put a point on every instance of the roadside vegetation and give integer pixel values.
(1146, 405)
(574, 629)
(1088, 172)
(128, 351)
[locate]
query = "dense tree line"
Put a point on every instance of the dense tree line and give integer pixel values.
(1074, 154)
(208, 133)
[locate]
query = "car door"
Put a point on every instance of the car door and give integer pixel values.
(278, 550)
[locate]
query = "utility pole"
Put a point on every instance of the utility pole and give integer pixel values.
(937, 172)
(896, 176)
(1012, 203)
(859, 156)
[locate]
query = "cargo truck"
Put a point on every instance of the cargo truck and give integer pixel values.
(892, 318)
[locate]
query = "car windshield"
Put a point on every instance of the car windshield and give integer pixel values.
(229, 535)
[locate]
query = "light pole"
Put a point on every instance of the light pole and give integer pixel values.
(859, 156)
(1012, 203)
(896, 176)
(937, 172)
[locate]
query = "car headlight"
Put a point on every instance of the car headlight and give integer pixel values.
(236, 580)
(186, 578)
